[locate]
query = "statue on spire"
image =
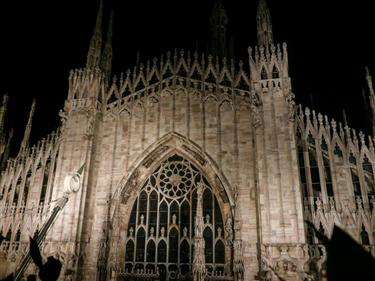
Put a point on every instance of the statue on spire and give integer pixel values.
(264, 25)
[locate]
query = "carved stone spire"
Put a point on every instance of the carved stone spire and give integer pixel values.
(3, 110)
(26, 136)
(199, 265)
(95, 48)
(371, 99)
(264, 24)
(5, 154)
(218, 23)
(106, 60)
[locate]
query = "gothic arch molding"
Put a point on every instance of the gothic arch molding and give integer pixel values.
(171, 143)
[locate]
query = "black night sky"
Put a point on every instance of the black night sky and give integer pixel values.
(328, 44)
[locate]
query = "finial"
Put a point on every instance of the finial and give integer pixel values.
(344, 119)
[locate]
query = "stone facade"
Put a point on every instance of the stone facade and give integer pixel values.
(268, 163)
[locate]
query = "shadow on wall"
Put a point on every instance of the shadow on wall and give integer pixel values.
(346, 259)
(48, 271)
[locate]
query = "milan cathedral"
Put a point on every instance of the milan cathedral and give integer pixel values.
(196, 167)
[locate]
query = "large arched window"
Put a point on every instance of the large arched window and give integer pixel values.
(161, 227)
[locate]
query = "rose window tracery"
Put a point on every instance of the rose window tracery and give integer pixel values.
(175, 179)
(161, 230)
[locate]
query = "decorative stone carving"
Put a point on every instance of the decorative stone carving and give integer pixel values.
(222, 191)
(131, 184)
(207, 218)
(174, 219)
(238, 262)
(195, 154)
(155, 154)
(229, 230)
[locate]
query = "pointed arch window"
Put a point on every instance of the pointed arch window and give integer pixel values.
(263, 74)
(17, 191)
(301, 164)
(354, 174)
(369, 178)
(337, 151)
(26, 188)
(161, 224)
(275, 72)
(314, 170)
(364, 236)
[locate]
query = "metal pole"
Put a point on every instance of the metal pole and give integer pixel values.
(26, 260)
(71, 185)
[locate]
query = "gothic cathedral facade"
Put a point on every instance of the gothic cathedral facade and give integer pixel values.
(195, 168)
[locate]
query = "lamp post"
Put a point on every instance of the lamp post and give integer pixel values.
(71, 185)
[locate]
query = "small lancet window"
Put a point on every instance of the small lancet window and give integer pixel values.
(263, 74)
(369, 176)
(338, 151)
(42, 196)
(275, 72)
(321, 230)
(314, 171)
(18, 236)
(17, 191)
(324, 145)
(26, 188)
(364, 236)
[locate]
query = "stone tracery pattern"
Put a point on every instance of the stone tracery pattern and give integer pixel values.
(161, 225)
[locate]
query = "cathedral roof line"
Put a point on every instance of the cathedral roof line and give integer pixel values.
(319, 125)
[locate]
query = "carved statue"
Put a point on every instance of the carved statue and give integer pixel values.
(229, 230)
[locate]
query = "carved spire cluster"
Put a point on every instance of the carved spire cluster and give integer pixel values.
(26, 136)
(318, 125)
(371, 99)
(218, 23)
(199, 265)
(264, 24)
(268, 63)
(179, 66)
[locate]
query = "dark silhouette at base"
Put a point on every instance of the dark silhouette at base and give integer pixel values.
(346, 259)
(48, 271)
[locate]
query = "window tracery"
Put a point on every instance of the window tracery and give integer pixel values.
(161, 224)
